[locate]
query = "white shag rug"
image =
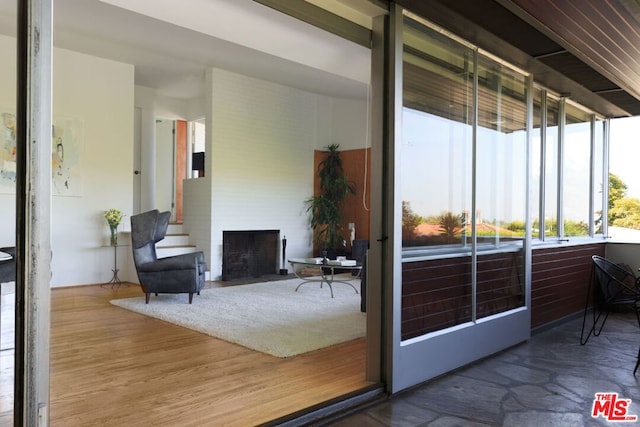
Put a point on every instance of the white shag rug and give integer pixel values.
(270, 317)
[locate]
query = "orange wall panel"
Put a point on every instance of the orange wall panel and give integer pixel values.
(357, 167)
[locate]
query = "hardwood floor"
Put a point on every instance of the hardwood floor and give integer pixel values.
(113, 367)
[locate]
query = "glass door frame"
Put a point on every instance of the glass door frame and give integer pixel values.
(419, 359)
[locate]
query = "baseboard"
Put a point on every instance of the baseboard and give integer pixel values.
(557, 322)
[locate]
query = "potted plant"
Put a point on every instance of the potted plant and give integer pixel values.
(325, 209)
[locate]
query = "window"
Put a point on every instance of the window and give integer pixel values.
(437, 138)
(624, 186)
(501, 154)
(576, 194)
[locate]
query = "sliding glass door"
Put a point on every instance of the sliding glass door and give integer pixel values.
(460, 184)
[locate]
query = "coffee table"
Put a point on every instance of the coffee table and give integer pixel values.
(326, 273)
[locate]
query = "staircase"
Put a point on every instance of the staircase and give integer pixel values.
(175, 242)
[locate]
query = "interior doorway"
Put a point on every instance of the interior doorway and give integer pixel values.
(171, 156)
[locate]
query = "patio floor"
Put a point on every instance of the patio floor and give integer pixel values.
(550, 380)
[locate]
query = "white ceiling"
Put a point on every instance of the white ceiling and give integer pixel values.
(171, 43)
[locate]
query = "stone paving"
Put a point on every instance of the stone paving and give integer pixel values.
(550, 380)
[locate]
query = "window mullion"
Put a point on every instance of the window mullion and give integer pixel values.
(561, 143)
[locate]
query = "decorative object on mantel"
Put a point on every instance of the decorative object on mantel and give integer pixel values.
(283, 269)
(113, 217)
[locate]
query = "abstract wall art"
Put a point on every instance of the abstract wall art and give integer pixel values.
(66, 153)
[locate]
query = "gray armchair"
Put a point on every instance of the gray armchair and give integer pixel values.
(175, 274)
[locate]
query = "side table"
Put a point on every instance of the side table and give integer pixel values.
(115, 280)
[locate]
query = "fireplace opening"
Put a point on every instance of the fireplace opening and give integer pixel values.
(247, 254)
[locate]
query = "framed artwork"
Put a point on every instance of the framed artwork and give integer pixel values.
(66, 154)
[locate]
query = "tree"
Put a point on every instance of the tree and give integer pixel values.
(451, 225)
(617, 189)
(625, 213)
(410, 221)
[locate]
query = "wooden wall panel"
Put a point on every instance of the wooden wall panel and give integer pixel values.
(559, 281)
(181, 165)
(600, 33)
(358, 172)
(436, 293)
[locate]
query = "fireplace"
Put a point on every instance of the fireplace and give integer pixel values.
(247, 254)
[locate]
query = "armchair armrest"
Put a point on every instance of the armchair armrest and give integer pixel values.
(169, 263)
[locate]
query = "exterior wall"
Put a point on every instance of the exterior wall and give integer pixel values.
(559, 281)
(624, 253)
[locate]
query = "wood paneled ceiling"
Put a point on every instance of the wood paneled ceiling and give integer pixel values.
(588, 50)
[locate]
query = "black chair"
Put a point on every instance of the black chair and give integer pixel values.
(610, 286)
(8, 267)
(175, 274)
(359, 250)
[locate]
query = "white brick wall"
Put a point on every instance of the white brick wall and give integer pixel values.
(197, 214)
(263, 136)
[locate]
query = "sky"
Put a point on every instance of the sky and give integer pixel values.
(624, 154)
(429, 140)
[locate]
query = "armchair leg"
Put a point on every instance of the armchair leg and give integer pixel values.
(146, 297)
(190, 297)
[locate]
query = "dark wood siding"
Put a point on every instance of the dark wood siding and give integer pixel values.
(436, 294)
(559, 281)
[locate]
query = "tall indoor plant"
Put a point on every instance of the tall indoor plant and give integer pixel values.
(325, 209)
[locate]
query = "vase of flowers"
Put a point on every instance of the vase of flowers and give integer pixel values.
(113, 217)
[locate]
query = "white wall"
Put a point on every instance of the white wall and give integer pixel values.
(101, 94)
(164, 185)
(260, 142)
(261, 148)
(624, 253)
(197, 218)
(98, 93)
(349, 123)
(8, 102)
